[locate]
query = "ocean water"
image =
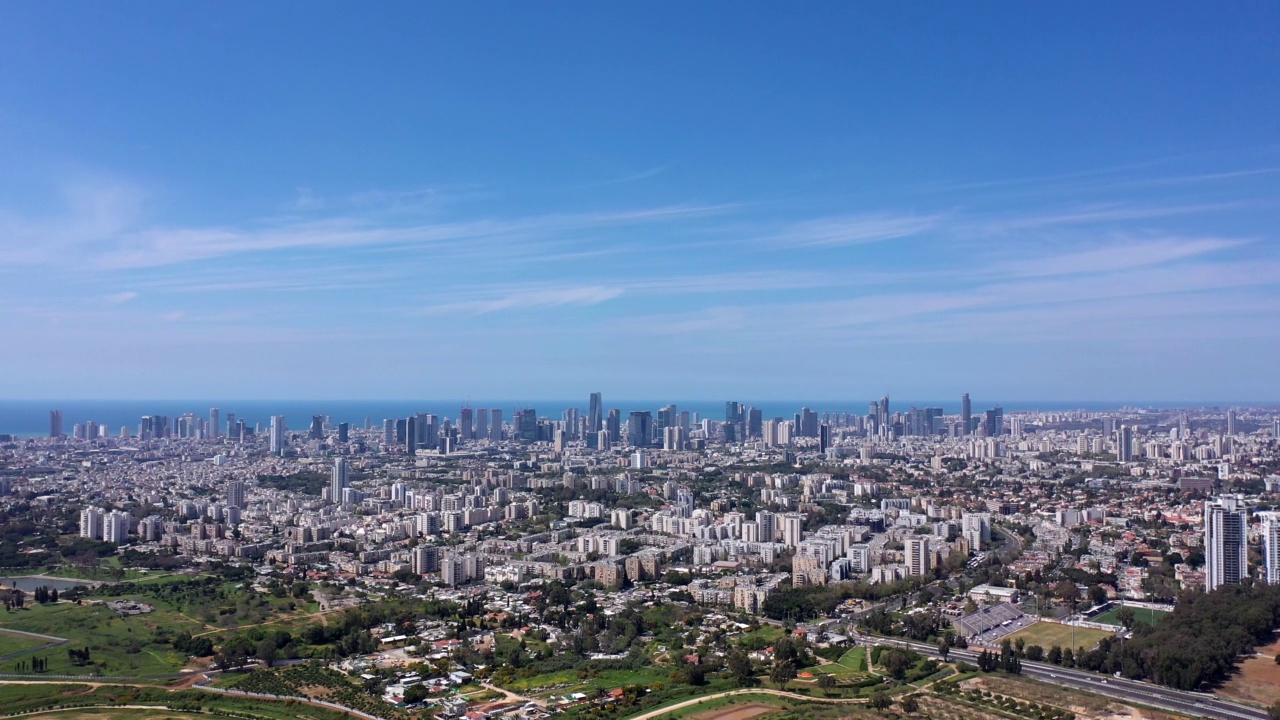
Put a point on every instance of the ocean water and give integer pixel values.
(30, 418)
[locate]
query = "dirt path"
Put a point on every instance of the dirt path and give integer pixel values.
(513, 696)
(744, 691)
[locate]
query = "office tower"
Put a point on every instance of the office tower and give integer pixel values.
(667, 417)
(55, 423)
(1270, 547)
(1225, 541)
(411, 435)
(482, 424)
(595, 414)
(731, 411)
(993, 422)
(1275, 428)
(1231, 422)
(640, 428)
(916, 555)
(215, 423)
(344, 432)
(603, 441)
(235, 493)
(231, 425)
(966, 415)
(755, 422)
(317, 428)
(340, 480)
(882, 411)
(528, 425)
(388, 432)
(807, 423)
(466, 424)
(279, 439)
(824, 437)
(495, 424)
(1124, 444)
(766, 525)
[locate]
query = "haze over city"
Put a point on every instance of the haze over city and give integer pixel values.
(662, 201)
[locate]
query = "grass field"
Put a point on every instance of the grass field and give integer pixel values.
(11, 643)
(851, 665)
(117, 645)
(1140, 615)
(1048, 634)
(19, 698)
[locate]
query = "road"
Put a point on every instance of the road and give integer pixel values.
(1134, 691)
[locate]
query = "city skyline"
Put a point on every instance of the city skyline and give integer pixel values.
(822, 201)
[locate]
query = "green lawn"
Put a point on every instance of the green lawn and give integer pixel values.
(1048, 634)
(117, 645)
(1140, 616)
(855, 659)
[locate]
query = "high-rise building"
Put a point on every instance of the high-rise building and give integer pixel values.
(792, 529)
(595, 414)
(235, 493)
(766, 522)
(215, 423)
(340, 480)
(755, 422)
(1225, 541)
(640, 428)
(279, 440)
(528, 425)
(55, 423)
(482, 424)
(344, 432)
(993, 422)
(916, 555)
(966, 415)
(466, 424)
(495, 424)
(317, 428)
(1270, 547)
(1231, 422)
(91, 523)
(115, 527)
(1124, 444)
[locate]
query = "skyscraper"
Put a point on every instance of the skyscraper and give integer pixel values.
(640, 428)
(279, 439)
(614, 426)
(916, 555)
(1270, 547)
(482, 424)
(1124, 444)
(495, 424)
(595, 414)
(215, 424)
(966, 415)
(235, 493)
(339, 481)
(1231, 422)
(1225, 542)
(466, 424)
(317, 427)
(55, 423)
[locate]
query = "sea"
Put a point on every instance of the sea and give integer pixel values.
(30, 418)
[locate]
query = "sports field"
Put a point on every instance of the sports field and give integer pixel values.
(1048, 634)
(1140, 615)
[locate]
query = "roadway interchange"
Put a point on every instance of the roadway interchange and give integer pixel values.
(1191, 704)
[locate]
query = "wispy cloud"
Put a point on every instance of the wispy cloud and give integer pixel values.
(851, 230)
(534, 299)
(1123, 254)
(120, 298)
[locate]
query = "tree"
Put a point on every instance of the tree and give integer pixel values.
(1097, 595)
(783, 672)
(909, 704)
(1126, 616)
(1055, 655)
(826, 682)
(944, 649)
(267, 651)
(880, 701)
(1035, 653)
(741, 669)
(415, 694)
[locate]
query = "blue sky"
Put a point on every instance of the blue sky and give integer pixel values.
(661, 200)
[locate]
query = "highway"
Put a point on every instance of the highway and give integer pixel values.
(1134, 691)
